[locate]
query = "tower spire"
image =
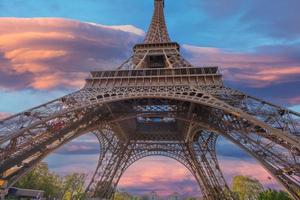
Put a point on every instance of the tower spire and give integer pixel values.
(158, 32)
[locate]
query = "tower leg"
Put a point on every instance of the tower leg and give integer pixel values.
(114, 156)
(280, 166)
(208, 172)
(272, 147)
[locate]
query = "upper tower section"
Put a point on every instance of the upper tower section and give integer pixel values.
(157, 50)
(158, 32)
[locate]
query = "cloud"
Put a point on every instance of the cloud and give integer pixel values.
(126, 28)
(79, 149)
(261, 68)
(232, 167)
(67, 164)
(86, 144)
(295, 100)
(3, 115)
(166, 176)
(158, 174)
(48, 53)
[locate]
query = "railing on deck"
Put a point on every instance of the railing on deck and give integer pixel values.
(157, 72)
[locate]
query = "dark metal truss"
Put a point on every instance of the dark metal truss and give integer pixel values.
(115, 114)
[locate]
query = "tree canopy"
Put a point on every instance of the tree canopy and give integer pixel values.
(69, 187)
(72, 187)
(40, 178)
(274, 195)
(246, 188)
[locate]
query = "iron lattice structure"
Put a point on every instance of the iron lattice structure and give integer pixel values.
(156, 103)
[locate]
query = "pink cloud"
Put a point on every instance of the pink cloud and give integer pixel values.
(228, 59)
(249, 168)
(294, 100)
(3, 115)
(167, 176)
(163, 175)
(256, 69)
(47, 53)
(40, 52)
(74, 80)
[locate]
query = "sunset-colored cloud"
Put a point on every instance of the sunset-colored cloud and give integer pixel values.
(21, 38)
(263, 77)
(48, 53)
(74, 80)
(294, 100)
(232, 167)
(166, 176)
(87, 144)
(256, 69)
(228, 59)
(4, 115)
(27, 60)
(161, 175)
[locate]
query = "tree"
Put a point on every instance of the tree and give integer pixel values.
(274, 195)
(190, 198)
(70, 187)
(122, 196)
(73, 187)
(246, 188)
(40, 178)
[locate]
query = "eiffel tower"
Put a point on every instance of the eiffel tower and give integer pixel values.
(156, 103)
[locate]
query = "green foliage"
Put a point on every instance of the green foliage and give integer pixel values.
(41, 179)
(191, 198)
(123, 196)
(70, 187)
(246, 188)
(73, 187)
(10, 198)
(274, 195)
(144, 197)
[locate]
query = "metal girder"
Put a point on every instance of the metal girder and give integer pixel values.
(201, 162)
(284, 153)
(280, 162)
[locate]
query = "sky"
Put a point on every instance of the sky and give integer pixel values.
(48, 47)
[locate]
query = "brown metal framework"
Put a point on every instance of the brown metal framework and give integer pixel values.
(156, 103)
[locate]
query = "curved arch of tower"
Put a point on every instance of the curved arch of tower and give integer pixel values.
(156, 103)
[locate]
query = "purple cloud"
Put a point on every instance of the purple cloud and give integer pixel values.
(265, 71)
(47, 53)
(4, 115)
